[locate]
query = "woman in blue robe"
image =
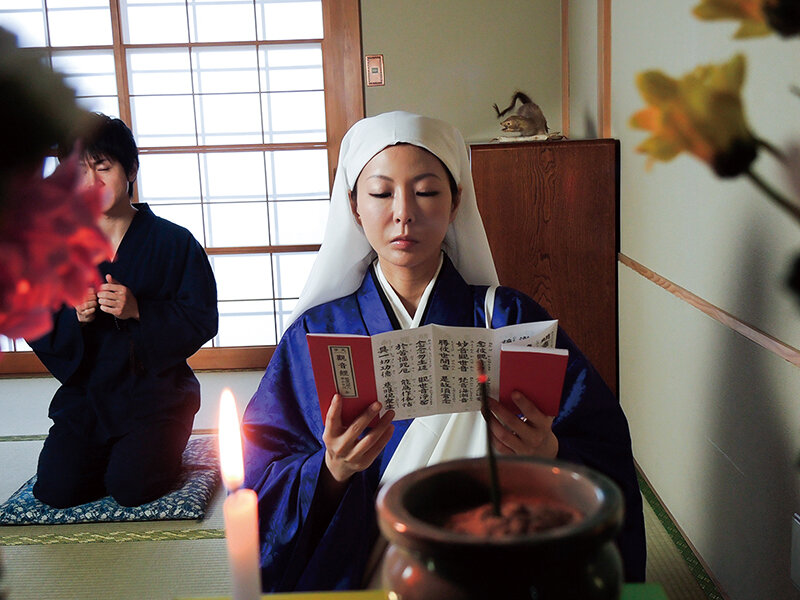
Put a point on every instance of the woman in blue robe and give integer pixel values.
(125, 409)
(404, 247)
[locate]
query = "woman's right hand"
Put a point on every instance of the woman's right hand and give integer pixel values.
(86, 310)
(346, 452)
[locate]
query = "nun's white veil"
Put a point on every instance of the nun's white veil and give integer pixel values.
(345, 253)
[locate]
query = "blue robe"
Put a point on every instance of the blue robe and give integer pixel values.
(118, 375)
(284, 451)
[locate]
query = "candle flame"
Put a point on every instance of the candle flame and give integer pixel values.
(230, 442)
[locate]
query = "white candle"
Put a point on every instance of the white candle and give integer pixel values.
(240, 507)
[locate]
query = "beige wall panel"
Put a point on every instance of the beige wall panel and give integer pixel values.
(452, 59)
(721, 239)
(714, 421)
(583, 69)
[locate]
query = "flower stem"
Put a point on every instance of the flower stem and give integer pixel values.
(789, 206)
(771, 149)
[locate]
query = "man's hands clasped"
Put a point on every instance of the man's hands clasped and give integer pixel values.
(112, 298)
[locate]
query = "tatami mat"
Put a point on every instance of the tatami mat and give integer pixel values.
(119, 571)
(181, 559)
(665, 564)
(670, 560)
(132, 560)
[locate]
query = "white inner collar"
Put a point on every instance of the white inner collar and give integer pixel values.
(406, 321)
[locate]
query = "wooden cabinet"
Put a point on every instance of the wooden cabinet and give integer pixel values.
(551, 215)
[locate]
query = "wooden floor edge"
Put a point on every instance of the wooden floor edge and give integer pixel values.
(766, 341)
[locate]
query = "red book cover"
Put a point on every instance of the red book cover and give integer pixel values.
(343, 364)
(536, 372)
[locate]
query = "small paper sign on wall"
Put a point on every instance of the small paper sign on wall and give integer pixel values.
(374, 67)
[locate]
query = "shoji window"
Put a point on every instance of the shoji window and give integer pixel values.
(238, 107)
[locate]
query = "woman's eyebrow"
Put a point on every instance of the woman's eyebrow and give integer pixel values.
(415, 178)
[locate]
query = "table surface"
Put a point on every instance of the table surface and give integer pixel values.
(630, 591)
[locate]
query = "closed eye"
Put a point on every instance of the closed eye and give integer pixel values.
(381, 194)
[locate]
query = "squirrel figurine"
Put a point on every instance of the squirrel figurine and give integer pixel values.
(528, 121)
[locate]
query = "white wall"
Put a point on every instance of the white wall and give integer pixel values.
(715, 418)
(582, 42)
(453, 59)
(24, 401)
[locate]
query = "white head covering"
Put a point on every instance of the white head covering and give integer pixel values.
(345, 254)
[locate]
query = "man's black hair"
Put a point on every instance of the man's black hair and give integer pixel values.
(110, 138)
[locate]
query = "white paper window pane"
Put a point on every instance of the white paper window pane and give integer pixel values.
(169, 178)
(298, 222)
(25, 19)
(233, 176)
(300, 78)
(50, 164)
(243, 277)
(162, 71)
(225, 70)
(228, 119)
(9, 345)
(108, 105)
(292, 55)
(297, 174)
(163, 120)
(283, 314)
(189, 216)
(88, 72)
(237, 224)
(289, 19)
(286, 68)
(221, 20)
(79, 22)
(6, 344)
(154, 21)
(291, 272)
(294, 117)
(248, 323)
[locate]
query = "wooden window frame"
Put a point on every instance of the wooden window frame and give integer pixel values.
(344, 105)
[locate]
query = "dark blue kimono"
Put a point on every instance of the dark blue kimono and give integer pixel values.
(284, 452)
(123, 378)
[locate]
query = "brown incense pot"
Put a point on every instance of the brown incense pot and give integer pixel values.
(574, 561)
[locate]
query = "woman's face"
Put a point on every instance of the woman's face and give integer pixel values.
(405, 205)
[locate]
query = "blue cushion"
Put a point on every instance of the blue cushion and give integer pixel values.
(198, 481)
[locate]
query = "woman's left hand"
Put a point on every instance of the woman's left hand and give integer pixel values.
(118, 300)
(530, 435)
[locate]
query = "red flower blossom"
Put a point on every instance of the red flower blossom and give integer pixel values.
(50, 246)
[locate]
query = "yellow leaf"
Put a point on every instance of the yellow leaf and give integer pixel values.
(713, 10)
(647, 118)
(750, 29)
(656, 88)
(659, 148)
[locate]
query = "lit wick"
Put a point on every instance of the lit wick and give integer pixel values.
(494, 488)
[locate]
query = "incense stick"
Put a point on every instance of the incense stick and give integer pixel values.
(494, 488)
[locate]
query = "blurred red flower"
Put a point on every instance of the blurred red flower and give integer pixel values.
(50, 245)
